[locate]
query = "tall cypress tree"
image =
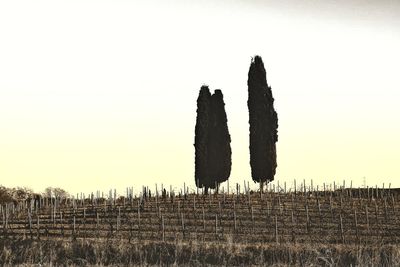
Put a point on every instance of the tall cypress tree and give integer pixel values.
(263, 122)
(212, 140)
(202, 177)
(220, 140)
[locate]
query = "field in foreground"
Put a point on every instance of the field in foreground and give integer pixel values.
(341, 227)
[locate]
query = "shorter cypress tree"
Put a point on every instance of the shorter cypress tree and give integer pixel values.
(212, 140)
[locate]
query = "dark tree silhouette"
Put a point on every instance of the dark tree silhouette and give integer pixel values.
(263, 121)
(202, 177)
(212, 140)
(220, 141)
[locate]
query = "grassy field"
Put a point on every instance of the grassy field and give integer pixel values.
(332, 228)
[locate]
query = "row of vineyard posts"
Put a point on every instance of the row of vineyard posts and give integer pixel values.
(212, 139)
(344, 215)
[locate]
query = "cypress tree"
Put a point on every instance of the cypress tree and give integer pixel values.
(202, 177)
(220, 147)
(212, 140)
(263, 122)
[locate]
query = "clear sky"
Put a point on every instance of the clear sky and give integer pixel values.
(102, 94)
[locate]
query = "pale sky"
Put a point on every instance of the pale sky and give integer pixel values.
(102, 94)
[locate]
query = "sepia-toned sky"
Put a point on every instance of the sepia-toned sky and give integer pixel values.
(102, 94)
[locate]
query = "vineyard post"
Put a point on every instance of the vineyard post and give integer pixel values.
(376, 214)
(330, 205)
(6, 212)
(61, 222)
(293, 231)
(38, 226)
(156, 199)
(138, 220)
(341, 228)
(228, 187)
(252, 218)
(194, 204)
(204, 222)
(183, 225)
(351, 189)
(30, 222)
(355, 223)
(295, 189)
(312, 185)
(344, 186)
(285, 187)
(248, 194)
(216, 225)
(276, 229)
(234, 216)
(366, 215)
(74, 226)
(320, 216)
(163, 228)
(3, 222)
(341, 203)
(97, 222)
(119, 218)
(308, 220)
(385, 205)
(393, 205)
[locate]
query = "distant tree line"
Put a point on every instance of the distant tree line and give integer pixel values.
(212, 139)
(8, 195)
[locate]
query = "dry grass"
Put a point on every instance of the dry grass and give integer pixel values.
(119, 252)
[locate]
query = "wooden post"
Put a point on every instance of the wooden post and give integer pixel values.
(38, 226)
(276, 229)
(308, 219)
(385, 205)
(320, 216)
(138, 219)
(234, 215)
(293, 227)
(74, 232)
(183, 225)
(355, 223)
(393, 205)
(252, 218)
(216, 225)
(163, 229)
(341, 228)
(62, 224)
(366, 215)
(97, 222)
(204, 222)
